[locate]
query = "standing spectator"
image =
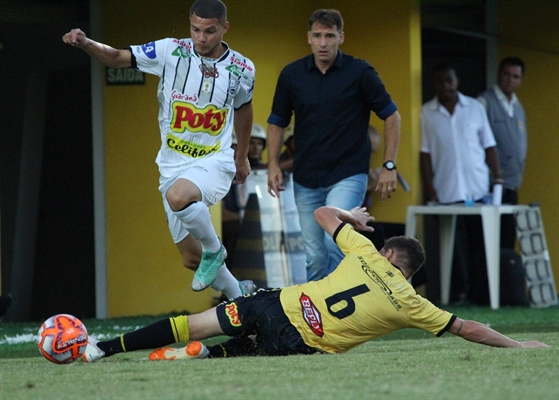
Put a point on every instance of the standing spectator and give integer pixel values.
(457, 152)
(508, 122)
(201, 80)
(256, 146)
(230, 221)
(331, 95)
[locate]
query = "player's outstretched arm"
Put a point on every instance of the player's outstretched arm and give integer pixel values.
(478, 333)
(103, 53)
(329, 218)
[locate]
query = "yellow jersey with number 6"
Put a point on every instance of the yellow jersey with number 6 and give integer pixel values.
(365, 297)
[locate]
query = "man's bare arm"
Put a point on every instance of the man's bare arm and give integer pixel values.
(103, 53)
(387, 179)
(274, 143)
(243, 127)
(478, 333)
(329, 218)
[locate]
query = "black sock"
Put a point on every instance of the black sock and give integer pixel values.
(156, 335)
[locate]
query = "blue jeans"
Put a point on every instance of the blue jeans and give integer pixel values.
(323, 255)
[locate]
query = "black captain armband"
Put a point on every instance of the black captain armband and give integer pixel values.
(338, 229)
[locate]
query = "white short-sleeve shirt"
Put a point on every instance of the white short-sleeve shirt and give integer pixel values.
(197, 97)
(457, 146)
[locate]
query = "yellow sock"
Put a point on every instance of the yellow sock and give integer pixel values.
(180, 328)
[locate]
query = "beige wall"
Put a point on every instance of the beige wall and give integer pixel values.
(145, 275)
(530, 30)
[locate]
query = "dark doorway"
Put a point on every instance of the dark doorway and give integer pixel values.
(47, 246)
(453, 31)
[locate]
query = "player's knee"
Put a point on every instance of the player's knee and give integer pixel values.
(176, 199)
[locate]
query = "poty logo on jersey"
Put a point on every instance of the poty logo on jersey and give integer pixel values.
(311, 315)
(233, 314)
(149, 50)
(187, 116)
(240, 63)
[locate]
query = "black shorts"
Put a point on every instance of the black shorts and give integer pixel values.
(261, 314)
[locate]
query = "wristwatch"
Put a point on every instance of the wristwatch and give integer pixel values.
(389, 165)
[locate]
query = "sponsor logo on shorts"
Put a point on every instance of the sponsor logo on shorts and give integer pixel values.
(190, 149)
(187, 116)
(311, 315)
(233, 314)
(149, 50)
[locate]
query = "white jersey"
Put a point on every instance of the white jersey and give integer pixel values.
(197, 98)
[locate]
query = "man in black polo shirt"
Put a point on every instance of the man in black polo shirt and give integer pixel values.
(331, 95)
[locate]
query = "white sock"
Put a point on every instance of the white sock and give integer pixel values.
(198, 222)
(226, 283)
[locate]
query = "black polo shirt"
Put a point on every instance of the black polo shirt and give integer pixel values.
(332, 112)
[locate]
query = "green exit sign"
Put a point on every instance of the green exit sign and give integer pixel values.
(124, 76)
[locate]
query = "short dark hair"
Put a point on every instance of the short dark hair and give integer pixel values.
(209, 9)
(444, 66)
(409, 252)
(329, 18)
(512, 61)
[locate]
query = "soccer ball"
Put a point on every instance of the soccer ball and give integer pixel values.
(62, 339)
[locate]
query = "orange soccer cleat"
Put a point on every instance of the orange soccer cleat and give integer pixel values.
(192, 350)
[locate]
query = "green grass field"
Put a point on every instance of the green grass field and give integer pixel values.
(408, 364)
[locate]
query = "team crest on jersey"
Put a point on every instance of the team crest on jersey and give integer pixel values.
(311, 315)
(209, 71)
(188, 117)
(233, 87)
(207, 86)
(149, 50)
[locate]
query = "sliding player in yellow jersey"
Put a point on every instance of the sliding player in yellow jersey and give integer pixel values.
(368, 295)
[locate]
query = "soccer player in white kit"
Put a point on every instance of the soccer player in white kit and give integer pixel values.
(205, 90)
